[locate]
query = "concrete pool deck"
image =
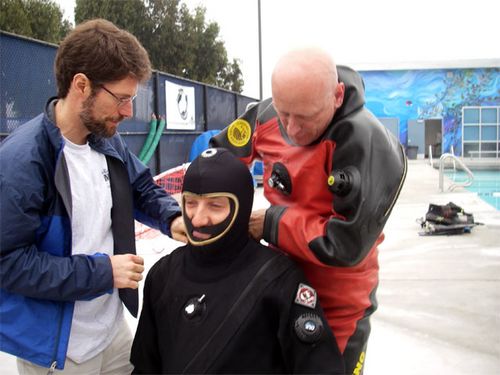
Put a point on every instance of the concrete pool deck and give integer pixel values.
(439, 296)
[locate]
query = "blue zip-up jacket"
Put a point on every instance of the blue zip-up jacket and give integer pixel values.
(39, 277)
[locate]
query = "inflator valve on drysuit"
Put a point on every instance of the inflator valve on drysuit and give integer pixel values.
(195, 307)
(280, 179)
(342, 181)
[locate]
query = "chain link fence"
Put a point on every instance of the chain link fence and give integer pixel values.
(27, 81)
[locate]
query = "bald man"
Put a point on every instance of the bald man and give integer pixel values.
(332, 174)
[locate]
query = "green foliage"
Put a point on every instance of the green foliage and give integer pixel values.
(178, 41)
(127, 14)
(230, 77)
(39, 19)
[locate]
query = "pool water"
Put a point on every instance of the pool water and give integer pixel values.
(486, 184)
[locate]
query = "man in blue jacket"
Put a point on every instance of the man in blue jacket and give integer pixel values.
(69, 192)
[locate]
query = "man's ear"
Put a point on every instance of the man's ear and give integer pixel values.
(81, 85)
(339, 94)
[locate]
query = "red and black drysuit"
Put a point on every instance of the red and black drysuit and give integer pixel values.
(329, 203)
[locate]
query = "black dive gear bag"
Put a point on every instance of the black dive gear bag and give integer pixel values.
(446, 219)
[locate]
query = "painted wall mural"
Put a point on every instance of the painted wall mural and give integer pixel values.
(431, 94)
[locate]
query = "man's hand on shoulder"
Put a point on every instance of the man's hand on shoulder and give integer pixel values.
(178, 230)
(256, 226)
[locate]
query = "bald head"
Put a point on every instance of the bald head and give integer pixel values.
(306, 93)
(302, 65)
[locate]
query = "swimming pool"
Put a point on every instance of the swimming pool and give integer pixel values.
(486, 184)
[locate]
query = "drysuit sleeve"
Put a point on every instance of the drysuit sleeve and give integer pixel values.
(375, 166)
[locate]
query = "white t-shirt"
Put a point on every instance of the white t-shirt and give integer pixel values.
(95, 322)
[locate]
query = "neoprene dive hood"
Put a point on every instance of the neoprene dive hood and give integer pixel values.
(217, 172)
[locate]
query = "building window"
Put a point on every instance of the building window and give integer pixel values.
(481, 132)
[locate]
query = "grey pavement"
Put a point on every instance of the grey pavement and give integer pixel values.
(439, 296)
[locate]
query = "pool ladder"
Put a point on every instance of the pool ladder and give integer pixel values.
(462, 165)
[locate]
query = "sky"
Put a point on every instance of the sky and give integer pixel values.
(364, 34)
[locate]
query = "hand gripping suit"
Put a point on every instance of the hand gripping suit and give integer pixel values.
(329, 202)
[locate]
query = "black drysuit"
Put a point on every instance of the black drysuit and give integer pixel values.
(206, 311)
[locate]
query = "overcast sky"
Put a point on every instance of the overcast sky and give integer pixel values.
(364, 34)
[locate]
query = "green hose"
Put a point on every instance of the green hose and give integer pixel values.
(149, 139)
(155, 142)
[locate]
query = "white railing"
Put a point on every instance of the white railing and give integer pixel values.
(470, 175)
(479, 153)
(452, 151)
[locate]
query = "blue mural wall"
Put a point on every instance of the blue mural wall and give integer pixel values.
(431, 94)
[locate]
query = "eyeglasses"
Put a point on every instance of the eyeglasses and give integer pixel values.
(121, 101)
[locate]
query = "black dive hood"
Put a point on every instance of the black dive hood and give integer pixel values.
(217, 172)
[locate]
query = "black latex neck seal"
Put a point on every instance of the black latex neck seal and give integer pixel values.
(217, 172)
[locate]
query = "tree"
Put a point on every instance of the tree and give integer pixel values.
(230, 77)
(39, 19)
(127, 14)
(178, 42)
